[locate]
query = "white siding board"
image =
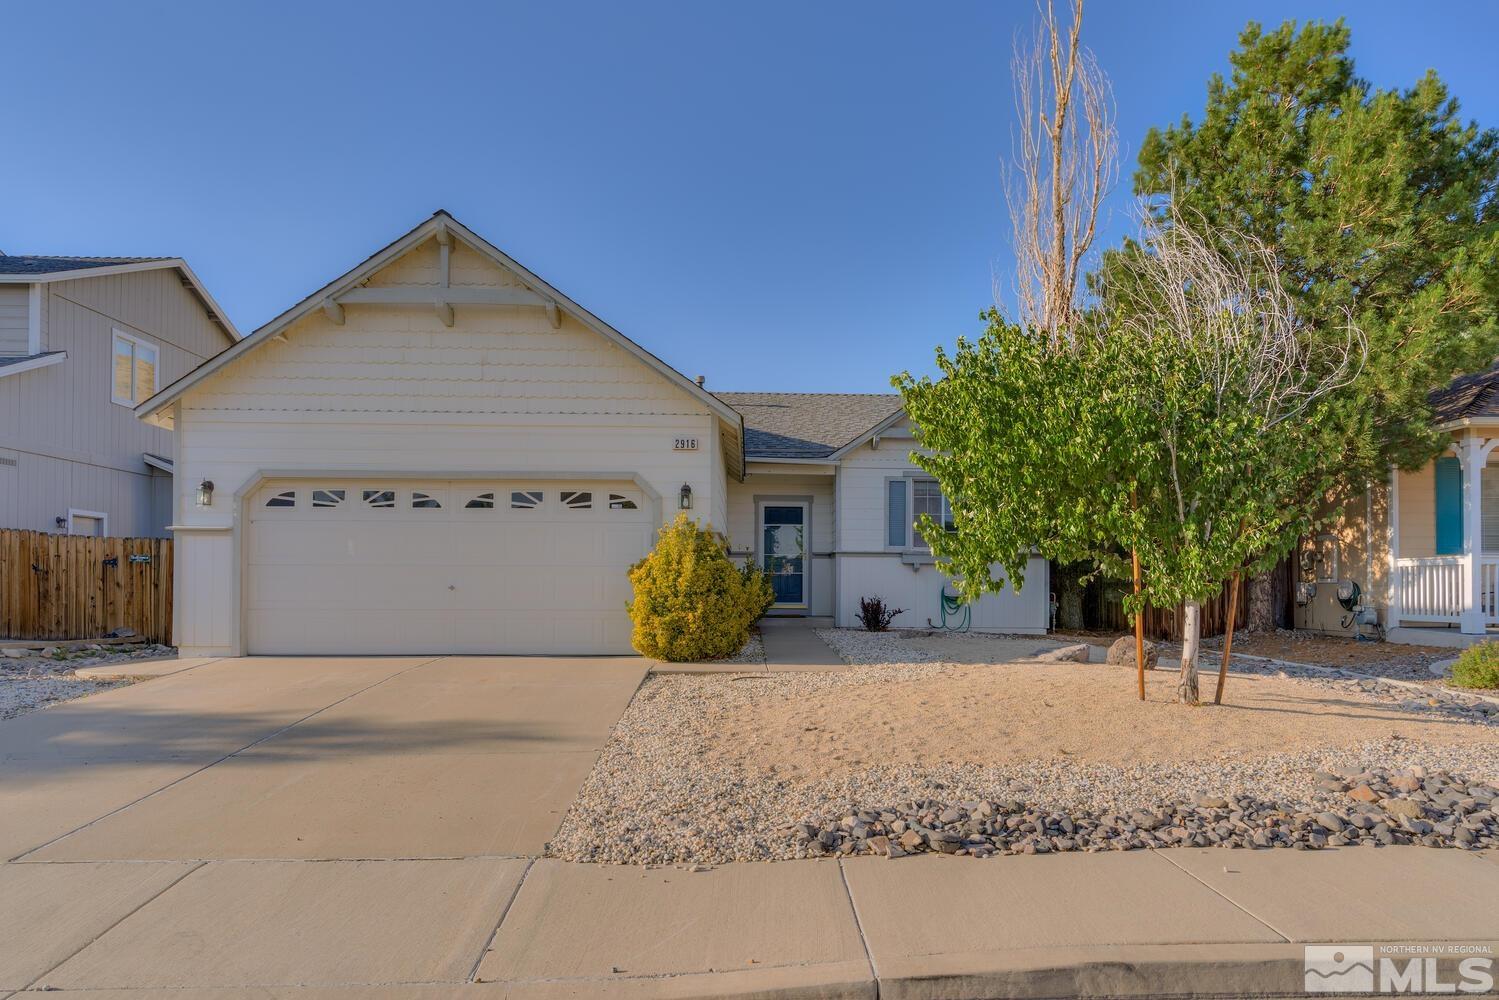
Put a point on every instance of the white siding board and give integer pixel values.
(14, 319)
(867, 569)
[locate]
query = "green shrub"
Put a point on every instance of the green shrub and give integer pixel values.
(1478, 667)
(691, 602)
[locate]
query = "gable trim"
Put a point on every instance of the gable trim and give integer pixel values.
(873, 432)
(439, 221)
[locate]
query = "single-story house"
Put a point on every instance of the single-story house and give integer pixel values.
(1423, 547)
(438, 451)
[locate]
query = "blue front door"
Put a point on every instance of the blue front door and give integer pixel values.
(784, 552)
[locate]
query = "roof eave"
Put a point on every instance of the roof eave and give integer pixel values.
(868, 435)
(108, 270)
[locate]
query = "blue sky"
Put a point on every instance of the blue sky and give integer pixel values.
(785, 196)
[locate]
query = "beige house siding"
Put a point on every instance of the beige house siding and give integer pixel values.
(500, 393)
(1360, 541)
(1418, 512)
(14, 319)
(76, 447)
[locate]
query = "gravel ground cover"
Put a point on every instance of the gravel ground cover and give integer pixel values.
(1375, 659)
(30, 680)
(1022, 757)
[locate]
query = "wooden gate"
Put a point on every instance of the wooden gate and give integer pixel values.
(80, 587)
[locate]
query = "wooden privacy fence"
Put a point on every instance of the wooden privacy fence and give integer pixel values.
(79, 587)
(1165, 623)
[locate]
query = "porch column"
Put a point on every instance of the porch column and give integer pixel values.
(1392, 513)
(1473, 456)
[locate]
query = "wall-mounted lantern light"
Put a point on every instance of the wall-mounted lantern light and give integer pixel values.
(685, 502)
(205, 493)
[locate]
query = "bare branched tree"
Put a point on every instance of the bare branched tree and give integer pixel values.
(1219, 293)
(1211, 307)
(1064, 163)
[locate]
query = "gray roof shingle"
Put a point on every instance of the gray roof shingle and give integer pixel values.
(807, 424)
(1472, 395)
(30, 264)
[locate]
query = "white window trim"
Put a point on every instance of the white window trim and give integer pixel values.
(135, 342)
(98, 515)
(910, 546)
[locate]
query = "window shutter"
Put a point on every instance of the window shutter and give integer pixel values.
(896, 520)
(1449, 506)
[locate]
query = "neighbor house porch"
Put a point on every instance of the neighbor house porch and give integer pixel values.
(1444, 540)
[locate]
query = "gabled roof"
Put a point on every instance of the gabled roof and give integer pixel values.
(440, 221)
(34, 269)
(1467, 397)
(28, 264)
(808, 425)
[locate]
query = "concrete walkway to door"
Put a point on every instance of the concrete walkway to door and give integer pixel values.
(369, 829)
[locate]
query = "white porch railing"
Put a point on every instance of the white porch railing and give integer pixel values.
(1432, 588)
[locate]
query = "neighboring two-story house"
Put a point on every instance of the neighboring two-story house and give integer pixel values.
(83, 340)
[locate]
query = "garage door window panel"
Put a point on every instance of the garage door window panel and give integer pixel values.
(484, 501)
(424, 501)
(525, 499)
(287, 498)
(326, 499)
(577, 499)
(380, 499)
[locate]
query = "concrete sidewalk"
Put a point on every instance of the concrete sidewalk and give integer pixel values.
(791, 645)
(1161, 923)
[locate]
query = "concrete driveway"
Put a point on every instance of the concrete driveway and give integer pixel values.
(310, 758)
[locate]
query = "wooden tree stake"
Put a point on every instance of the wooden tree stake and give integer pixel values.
(1139, 627)
(1228, 637)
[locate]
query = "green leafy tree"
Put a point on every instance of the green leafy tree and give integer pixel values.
(1379, 207)
(1174, 422)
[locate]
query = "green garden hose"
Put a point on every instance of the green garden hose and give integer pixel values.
(950, 608)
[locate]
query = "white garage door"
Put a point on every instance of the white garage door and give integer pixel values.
(394, 566)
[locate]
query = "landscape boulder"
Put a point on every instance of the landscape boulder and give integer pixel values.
(1066, 654)
(1122, 653)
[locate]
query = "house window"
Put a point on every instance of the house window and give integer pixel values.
(927, 498)
(525, 499)
(1489, 487)
(905, 501)
(134, 372)
(384, 499)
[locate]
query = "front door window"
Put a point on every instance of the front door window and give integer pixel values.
(784, 545)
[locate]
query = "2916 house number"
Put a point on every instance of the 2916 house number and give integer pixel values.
(684, 444)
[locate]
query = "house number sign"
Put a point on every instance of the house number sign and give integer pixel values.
(684, 444)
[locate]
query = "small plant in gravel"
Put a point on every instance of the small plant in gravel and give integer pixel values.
(875, 616)
(691, 602)
(1478, 667)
